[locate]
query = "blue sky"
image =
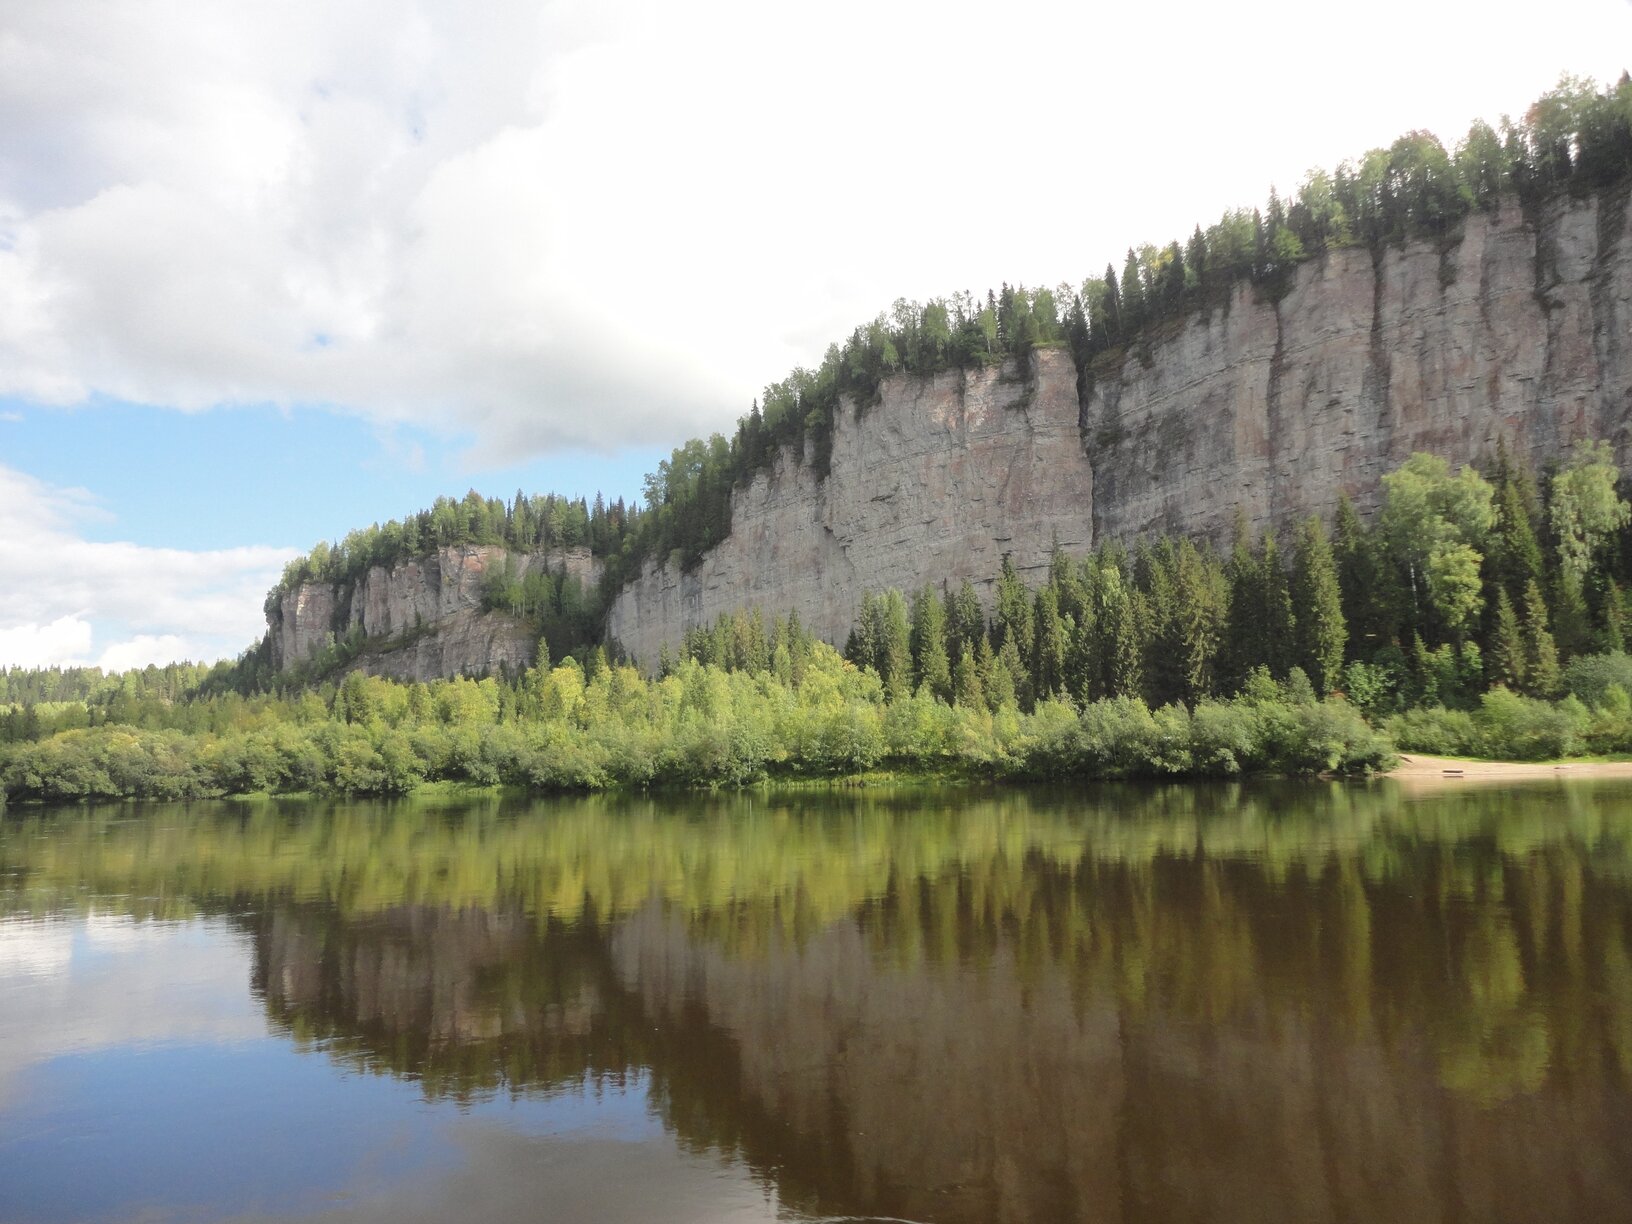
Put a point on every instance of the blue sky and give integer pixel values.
(263, 475)
(352, 257)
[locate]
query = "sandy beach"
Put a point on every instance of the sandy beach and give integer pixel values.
(1418, 769)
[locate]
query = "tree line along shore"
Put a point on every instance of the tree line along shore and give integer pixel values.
(1481, 614)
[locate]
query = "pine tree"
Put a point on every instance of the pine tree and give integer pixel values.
(1317, 606)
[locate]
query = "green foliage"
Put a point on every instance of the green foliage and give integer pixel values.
(1507, 726)
(1589, 678)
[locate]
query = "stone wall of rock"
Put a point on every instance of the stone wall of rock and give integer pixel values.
(1517, 331)
(1518, 328)
(423, 617)
(938, 480)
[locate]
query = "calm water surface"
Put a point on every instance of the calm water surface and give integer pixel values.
(1300, 1003)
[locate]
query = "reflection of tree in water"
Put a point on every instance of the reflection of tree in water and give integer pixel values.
(1298, 1002)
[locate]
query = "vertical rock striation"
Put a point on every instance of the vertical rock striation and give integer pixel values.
(1517, 328)
(937, 481)
(1515, 331)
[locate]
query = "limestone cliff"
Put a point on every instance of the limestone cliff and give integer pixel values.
(938, 480)
(422, 618)
(1517, 327)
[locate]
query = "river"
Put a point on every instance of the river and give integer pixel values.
(1299, 1002)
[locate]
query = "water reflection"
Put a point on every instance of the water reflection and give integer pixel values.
(1283, 1002)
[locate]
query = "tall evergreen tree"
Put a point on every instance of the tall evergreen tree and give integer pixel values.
(930, 666)
(1541, 653)
(1243, 647)
(1507, 648)
(1317, 607)
(1050, 644)
(1280, 625)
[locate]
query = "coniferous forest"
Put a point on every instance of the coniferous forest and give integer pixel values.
(1481, 612)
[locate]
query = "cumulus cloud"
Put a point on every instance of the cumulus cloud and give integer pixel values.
(68, 599)
(569, 224)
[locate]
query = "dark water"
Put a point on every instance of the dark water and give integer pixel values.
(1299, 1003)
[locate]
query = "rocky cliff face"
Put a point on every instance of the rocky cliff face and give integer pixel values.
(423, 618)
(1516, 328)
(938, 480)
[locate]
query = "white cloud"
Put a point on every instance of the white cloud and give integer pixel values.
(583, 223)
(67, 599)
(32, 644)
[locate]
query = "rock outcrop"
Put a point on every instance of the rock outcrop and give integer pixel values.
(1517, 328)
(422, 618)
(1517, 331)
(938, 480)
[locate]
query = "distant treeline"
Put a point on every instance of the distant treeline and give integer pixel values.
(526, 524)
(1577, 138)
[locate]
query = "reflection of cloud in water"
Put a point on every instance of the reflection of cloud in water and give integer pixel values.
(504, 1176)
(69, 987)
(32, 949)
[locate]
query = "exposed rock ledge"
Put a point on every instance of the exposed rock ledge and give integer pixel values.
(422, 618)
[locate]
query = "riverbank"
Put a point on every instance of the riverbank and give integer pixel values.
(1418, 769)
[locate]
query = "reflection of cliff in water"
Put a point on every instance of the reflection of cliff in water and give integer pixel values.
(1172, 1038)
(465, 1001)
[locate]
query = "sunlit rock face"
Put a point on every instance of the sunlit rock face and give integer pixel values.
(1518, 329)
(423, 617)
(937, 481)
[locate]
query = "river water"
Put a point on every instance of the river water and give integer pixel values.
(1299, 1002)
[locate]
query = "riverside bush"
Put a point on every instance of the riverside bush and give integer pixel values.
(702, 726)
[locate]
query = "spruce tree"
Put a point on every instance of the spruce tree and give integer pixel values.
(1279, 624)
(1000, 687)
(966, 685)
(1200, 599)
(1243, 647)
(1507, 646)
(930, 666)
(966, 623)
(895, 644)
(1051, 644)
(1012, 617)
(1541, 652)
(1317, 606)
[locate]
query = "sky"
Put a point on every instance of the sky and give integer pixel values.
(272, 272)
